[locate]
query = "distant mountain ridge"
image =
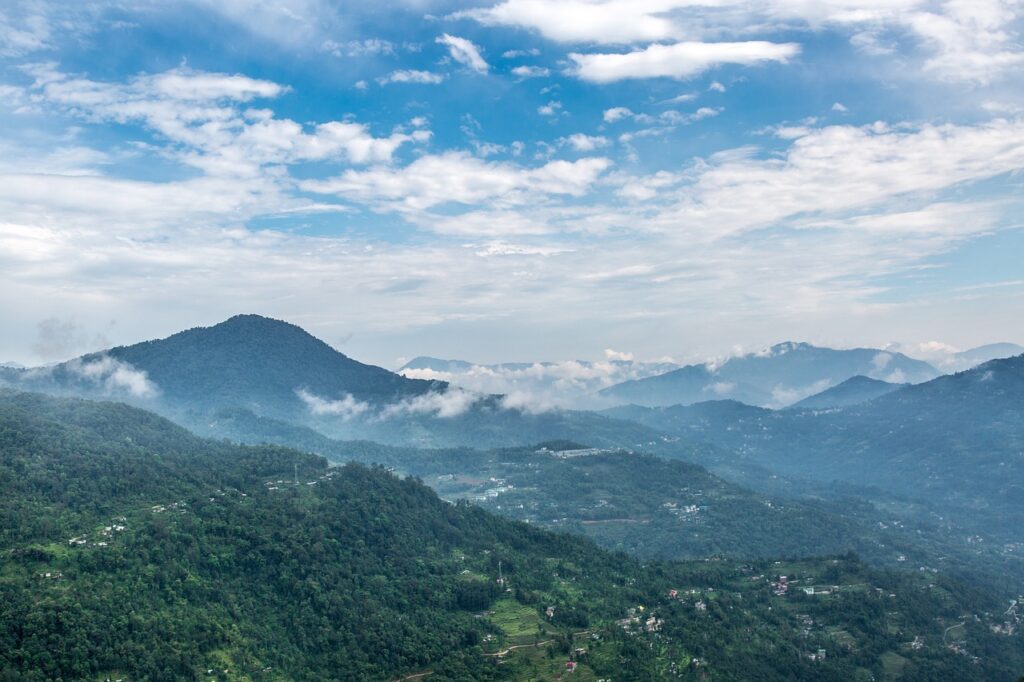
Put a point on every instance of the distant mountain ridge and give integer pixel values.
(853, 391)
(954, 442)
(248, 360)
(775, 377)
(276, 370)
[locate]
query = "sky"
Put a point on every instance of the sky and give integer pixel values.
(513, 180)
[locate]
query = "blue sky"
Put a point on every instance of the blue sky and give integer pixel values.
(514, 180)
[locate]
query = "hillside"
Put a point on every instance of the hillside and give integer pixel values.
(775, 377)
(853, 391)
(233, 563)
(278, 371)
(953, 443)
(665, 507)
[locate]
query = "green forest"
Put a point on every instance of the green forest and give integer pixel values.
(132, 549)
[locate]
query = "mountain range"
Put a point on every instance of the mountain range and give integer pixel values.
(853, 391)
(775, 377)
(135, 550)
(952, 443)
(277, 370)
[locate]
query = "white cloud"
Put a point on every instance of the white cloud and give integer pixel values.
(346, 408)
(358, 48)
(20, 35)
(616, 113)
(412, 76)
(842, 168)
(682, 99)
(542, 386)
(114, 376)
(456, 177)
(585, 143)
(965, 40)
(840, 107)
(452, 402)
(531, 72)
(716, 87)
(550, 109)
(295, 23)
(464, 52)
(582, 21)
(679, 60)
(513, 54)
(200, 113)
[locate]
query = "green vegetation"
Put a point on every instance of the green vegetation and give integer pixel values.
(134, 549)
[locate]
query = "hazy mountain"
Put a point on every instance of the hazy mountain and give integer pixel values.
(993, 351)
(261, 362)
(775, 377)
(277, 370)
(133, 549)
(853, 391)
(953, 443)
(684, 386)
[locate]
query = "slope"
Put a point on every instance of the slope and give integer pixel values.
(777, 376)
(853, 391)
(244, 572)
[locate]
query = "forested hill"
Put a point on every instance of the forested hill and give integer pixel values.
(853, 391)
(254, 360)
(135, 550)
(776, 376)
(954, 442)
(277, 370)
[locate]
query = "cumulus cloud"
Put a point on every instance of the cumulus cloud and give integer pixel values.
(114, 376)
(965, 41)
(584, 143)
(457, 177)
(549, 109)
(452, 402)
(358, 48)
(581, 21)
(531, 72)
(841, 168)
(346, 408)
(412, 76)
(679, 60)
(464, 52)
(201, 112)
(512, 54)
(616, 113)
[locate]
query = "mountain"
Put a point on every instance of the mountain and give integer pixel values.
(993, 351)
(952, 443)
(277, 370)
(775, 377)
(135, 550)
(686, 385)
(853, 391)
(259, 362)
